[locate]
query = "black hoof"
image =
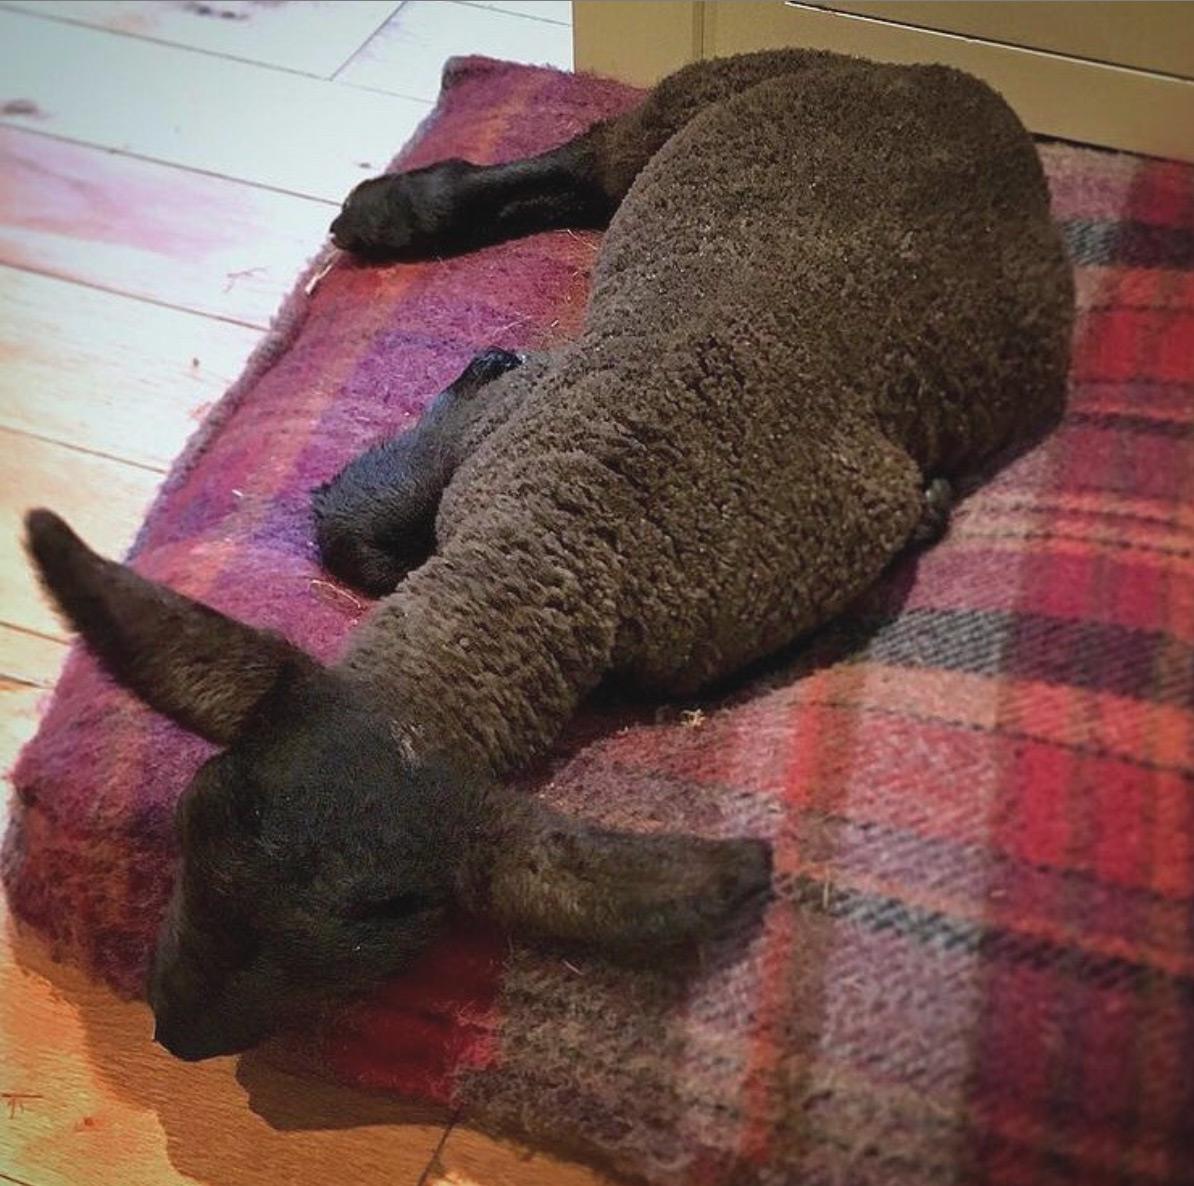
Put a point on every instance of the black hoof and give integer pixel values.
(935, 512)
(484, 368)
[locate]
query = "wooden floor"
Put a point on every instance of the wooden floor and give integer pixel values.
(168, 167)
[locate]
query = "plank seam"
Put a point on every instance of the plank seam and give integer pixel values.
(160, 470)
(75, 23)
(95, 286)
(526, 16)
(335, 74)
(17, 126)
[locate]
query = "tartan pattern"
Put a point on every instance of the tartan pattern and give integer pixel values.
(980, 964)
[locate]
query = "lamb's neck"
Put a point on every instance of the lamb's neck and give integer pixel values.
(485, 652)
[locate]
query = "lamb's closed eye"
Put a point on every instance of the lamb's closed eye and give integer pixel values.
(393, 906)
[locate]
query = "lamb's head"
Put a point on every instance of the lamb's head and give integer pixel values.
(318, 859)
(319, 853)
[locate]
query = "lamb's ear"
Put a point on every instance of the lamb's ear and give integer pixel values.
(198, 667)
(544, 874)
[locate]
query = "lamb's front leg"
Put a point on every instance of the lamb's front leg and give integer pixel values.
(375, 520)
(454, 206)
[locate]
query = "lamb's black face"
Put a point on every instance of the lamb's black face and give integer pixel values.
(317, 863)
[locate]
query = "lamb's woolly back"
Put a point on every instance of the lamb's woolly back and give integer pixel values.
(821, 292)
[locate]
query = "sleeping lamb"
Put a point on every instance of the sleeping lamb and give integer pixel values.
(829, 286)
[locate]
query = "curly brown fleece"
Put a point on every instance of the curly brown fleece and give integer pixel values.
(829, 282)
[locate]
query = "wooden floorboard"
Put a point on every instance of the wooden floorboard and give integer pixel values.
(273, 128)
(33, 660)
(406, 57)
(120, 377)
(164, 234)
(305, 36)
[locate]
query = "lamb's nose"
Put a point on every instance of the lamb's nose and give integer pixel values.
(192, 1040)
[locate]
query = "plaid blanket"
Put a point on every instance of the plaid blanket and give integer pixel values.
(980, 964)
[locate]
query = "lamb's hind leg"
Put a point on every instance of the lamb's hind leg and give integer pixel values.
(821, 525)
(375, 521)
